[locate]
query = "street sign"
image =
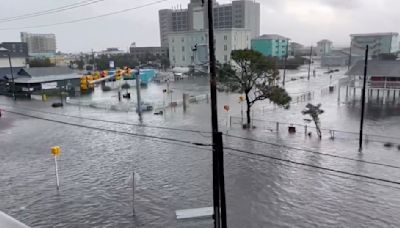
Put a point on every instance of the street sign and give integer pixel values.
(111, 64)
(49, 85)
(55, 150)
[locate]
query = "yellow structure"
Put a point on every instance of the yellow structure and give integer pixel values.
(55, 150)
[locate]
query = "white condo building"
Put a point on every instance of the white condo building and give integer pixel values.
(191, 48)
(181, 30)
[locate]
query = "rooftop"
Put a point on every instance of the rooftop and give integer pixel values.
(376, 34)
(377, 68)
(324, 41)
(39, 74)
(272, 37)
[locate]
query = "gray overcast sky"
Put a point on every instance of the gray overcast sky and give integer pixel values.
(304, 21)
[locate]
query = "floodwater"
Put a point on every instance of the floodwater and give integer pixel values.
(96, 165)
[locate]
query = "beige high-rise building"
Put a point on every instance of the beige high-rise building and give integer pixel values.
(40, 45)
(240, 14)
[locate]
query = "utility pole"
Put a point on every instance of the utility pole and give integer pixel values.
(363, 99)
(218, 166)
(139, 105)
(11, 71)
(351, 45)
(309, 64)
(286, 56)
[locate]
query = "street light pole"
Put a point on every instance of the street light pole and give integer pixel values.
(12, 75)
(286, 57)
(11, 70)
(309, 64)
(363, 99)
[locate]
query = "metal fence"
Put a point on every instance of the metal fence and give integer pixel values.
(306, 129)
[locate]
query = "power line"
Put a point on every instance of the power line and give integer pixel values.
(202, 145)
(50, 11)
(314, 152)
(309, 170)
(313, 166)
(87, 18)
(227, 135)
(118, 122)
(110, 130)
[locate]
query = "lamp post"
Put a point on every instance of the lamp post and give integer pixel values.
(11, 70)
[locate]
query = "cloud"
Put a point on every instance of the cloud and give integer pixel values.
(342, 4)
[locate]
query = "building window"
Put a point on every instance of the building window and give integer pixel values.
(173, 58)
(202, 38)
(225, 37)
(226, 58)
(183, 58)
(183, 48)
(173, 39)
(183, 39)
(173, 48)
(225, 47)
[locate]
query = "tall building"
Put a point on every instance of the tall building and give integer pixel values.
(324, 47)
(40, 45)
(271, 45)
(379, 43)
(191, 48)
(242, 14)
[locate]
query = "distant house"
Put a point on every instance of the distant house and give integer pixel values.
(324, 47)
(271, 45)
(295, 48)
(337, 58)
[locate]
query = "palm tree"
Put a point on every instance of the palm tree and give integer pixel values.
(314, 111)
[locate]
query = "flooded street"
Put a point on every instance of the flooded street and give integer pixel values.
(273, 179)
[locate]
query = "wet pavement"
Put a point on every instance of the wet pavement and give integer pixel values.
(262, 191)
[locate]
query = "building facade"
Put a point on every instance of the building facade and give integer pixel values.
(324, 47)
(40, 45)
(18, 53)
(295, 48)
(191, 48)
(112, 51)
(244, 14)
(140, 52)
(271, 45)
(379, 43)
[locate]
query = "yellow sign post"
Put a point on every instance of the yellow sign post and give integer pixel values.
(55, 151)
